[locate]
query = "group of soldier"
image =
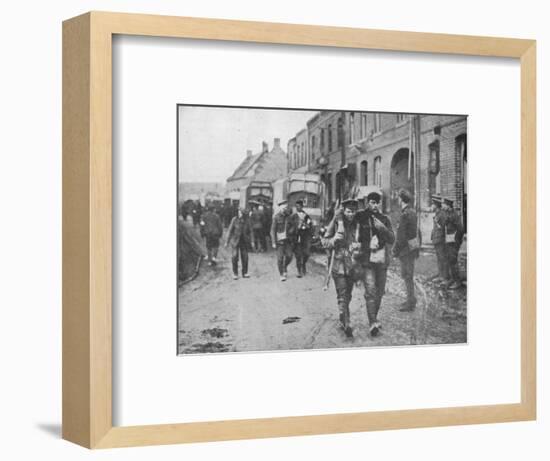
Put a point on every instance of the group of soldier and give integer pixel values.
(195, 210)
(359, 242)
(289, 233)
(447, 236)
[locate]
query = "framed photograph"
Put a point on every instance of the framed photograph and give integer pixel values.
(342, 218)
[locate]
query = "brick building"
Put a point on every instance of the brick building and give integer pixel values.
(365, 148)
(266, 165)
(297, 152)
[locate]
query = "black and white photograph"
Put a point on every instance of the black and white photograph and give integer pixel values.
(314, 229)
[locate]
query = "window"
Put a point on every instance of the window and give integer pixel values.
(377, 122)
(322, 140)
(364, 178)
(377, 171)
(329, 187)
(461, 152)
(351, 128)
(312, 148)
(304, 154)
(340, 133)
(400, 118)
(363, 126)
(329, 142)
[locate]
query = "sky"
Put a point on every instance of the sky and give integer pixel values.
(213, 140)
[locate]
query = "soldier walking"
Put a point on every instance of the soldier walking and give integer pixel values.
(377, 236)
(302, 245)
(342, 238)
(267, 218)
(238, 237)
(211, 230)
(438, 239)
(282, 236)
(407, 247)
(256, 221)
(454, 234)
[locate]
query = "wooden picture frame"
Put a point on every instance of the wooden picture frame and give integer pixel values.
(87, 220)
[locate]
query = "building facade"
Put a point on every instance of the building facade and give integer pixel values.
(350, 149)
(266, 165)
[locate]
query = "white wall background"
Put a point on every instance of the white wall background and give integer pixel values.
(30, 233)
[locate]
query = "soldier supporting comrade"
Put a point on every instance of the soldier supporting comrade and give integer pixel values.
(376, 237)
(342, 239)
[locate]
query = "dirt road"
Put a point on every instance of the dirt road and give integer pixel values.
(219, 314)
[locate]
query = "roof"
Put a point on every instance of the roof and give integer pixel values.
(245, 165)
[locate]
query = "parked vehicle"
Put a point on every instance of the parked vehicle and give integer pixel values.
(256, 192)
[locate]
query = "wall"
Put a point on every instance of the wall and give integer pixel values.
(30, 186)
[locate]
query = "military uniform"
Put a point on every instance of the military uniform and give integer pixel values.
(454, 234)
(212, 230)
(342, 239)
(238, 238)
(302, 244)
(256, 221)
(375, 248)
(404, 248)
(438, 240)
(283, 232)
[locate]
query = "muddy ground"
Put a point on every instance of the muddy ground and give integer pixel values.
(219, 314)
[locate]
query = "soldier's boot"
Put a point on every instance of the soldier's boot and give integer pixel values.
(344, 320)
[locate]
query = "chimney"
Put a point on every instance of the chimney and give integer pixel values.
(249, 153)
(276, 143)
(265, 148)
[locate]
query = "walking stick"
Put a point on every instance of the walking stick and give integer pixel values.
(331, 261)
(329, 272)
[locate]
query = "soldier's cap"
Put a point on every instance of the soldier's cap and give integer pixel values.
(405, 195)
(350, 203)
(374, 195)
(300, 202)
(282, 202)
(448, 201)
